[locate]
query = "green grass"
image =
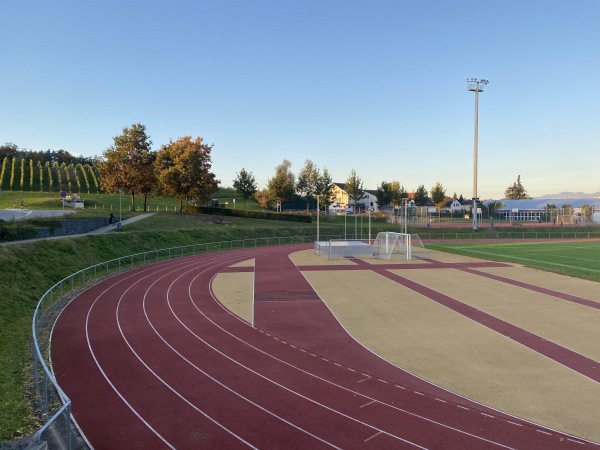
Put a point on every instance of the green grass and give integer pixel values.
(574, 258)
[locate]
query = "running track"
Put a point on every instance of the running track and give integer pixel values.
(150, 359)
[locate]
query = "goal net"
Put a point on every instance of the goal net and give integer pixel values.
(388, 243)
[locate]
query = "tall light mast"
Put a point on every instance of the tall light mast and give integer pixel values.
(475, 85)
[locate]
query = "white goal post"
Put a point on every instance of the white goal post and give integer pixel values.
(388, 243)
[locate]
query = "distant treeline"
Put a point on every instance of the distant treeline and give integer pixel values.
(51, 156)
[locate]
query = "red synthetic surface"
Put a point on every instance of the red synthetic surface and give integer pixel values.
(150, 359)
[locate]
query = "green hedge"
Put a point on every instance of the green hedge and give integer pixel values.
(305, 218)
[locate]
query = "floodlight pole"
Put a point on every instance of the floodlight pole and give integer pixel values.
(475, 85)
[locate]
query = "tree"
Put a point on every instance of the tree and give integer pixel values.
(494, 206)
(183, 169)
(438, 195)
(398, 194)
(354, 188)
(263, 197)
(245, 184)
(282, 185)
(324, 188)
(516, 191)
(421, 196)
(128, 163)
(384, 193)
(307, 181)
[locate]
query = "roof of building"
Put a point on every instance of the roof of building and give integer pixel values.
(540, 204)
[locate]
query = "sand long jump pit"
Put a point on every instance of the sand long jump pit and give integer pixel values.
(485, 331)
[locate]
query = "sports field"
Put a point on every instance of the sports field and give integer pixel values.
(455, 352)
(579, 258)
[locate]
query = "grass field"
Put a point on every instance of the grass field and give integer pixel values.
(575, 258)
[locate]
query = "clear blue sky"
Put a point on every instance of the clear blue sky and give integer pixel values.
(374, 85)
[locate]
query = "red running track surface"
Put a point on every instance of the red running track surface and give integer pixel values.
(151, 360)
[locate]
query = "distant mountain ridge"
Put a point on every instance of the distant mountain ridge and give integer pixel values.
(571, 195)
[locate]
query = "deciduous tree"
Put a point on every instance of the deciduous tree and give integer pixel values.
(282, 185)
(307, 181)
(438, 195)
(384, 194)
(128, 163)
(183, 170)
(354, 188)
(421, 196)
(245, 184)
(324, 189)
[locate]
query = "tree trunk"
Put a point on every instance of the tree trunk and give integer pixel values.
(132, 201)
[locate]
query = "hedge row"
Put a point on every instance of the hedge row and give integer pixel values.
(248, 214)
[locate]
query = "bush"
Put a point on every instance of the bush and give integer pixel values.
(305, 218)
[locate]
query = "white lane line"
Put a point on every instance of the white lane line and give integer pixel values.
(371, 437)
(367, 404)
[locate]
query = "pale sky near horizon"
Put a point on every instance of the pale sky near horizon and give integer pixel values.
(378, 86)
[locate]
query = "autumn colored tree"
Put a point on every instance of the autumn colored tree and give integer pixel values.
(128, 164)
(354, 188)
(245, 184)
(183, 170)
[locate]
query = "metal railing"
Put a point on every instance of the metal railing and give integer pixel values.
(50, 401)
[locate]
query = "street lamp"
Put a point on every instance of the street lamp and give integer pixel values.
(120, 225)
(475, 85)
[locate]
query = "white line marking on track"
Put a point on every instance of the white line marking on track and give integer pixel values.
(573, 440)
(367, 404)
(440, 400)
(364, 379)
(514, 423)
(487, 415)
(544, 432)
(371, 437)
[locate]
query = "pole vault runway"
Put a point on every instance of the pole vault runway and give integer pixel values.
(152, 359)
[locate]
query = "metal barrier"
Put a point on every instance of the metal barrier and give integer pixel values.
(52, 404)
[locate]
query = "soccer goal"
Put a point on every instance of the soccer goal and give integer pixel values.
(389, 245)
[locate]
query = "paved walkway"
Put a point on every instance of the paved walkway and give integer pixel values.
(101, 230)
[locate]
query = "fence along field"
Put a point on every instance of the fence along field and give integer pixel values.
(579, 258)
(23, 174)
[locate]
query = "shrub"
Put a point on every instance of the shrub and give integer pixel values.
(305, 218)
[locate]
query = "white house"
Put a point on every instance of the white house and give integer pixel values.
(342, 201)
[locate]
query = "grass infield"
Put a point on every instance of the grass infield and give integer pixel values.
(579, 259)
